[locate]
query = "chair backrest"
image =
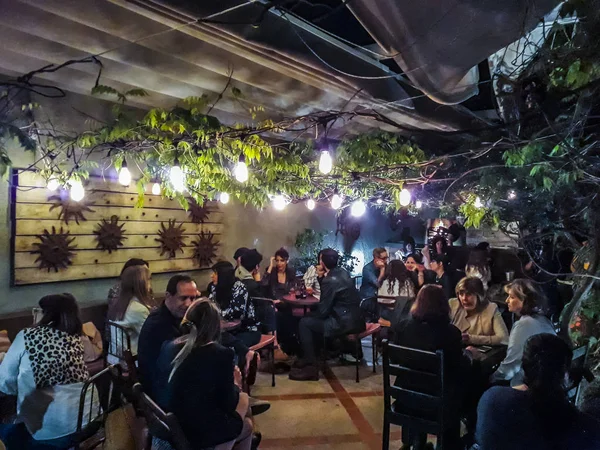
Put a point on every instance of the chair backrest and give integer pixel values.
(160, 424)
(416, 399)
(579, 370)
(95, 402)
(131, 367)
(117, 340)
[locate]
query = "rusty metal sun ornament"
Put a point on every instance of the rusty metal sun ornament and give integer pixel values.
(69, 209)
(54, 249)
(205, 249)
(109, 234)
(198, 214)
(170, 238)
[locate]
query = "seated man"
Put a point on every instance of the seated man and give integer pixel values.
(372, 277)
(163, 326)
(338, 313)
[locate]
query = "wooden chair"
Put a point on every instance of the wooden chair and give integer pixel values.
(578, 371)
(417, 399)
(267, 341)
(372, 330)
(160, 424)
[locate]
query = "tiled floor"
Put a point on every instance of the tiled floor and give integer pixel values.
(334, 413)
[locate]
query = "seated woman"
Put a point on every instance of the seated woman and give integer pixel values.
(397, 281)
(312, 278)
(479, 320)
(538, 416)
(279, 278)
(131, 308)
(525, 301)
(204, 390)
(231, 295)
(418, 274)
(429, 328)
(478, 266)
(113, 292)
(44, 368)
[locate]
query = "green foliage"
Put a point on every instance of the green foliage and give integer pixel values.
(578, 74)
(309, 243)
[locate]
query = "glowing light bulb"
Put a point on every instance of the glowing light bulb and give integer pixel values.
(279, 202)
(379, 201)
(177, 178)
(418, 204)
(156, 189)
(310, 204)
(53, 184)
(512, 195)
(404, 197)
(224, 197)
(478, 203)
(241, 171)
(124, 175)
(336, 201)
(325, 162)
(77, 192)
(358, 208)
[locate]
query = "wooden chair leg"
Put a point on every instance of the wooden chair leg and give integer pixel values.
(374, 351)
(385, 445)
(273, 365)
(357, 358)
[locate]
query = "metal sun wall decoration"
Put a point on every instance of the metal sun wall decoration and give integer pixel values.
(109, 234)
(54, 250)
(205, 249)
(198, 214)
(69, 209)
(170, 238)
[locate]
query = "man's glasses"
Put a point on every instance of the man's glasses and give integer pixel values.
(191, 298)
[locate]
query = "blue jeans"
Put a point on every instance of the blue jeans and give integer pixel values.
(17, 437)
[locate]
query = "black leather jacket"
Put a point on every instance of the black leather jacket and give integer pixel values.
(340, 304)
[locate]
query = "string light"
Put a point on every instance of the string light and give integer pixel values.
(177, 177)
(279, 202)
(512, 195)
(310, 204)
(124, 175)
(53, 184)
(336, 201)
(478, 203)
(224, 198)
(358, 208)
(379, 201)
(404, 197)
(418, 204)
(241, 170)
(156, 189)
(77, 191)
(325, 162)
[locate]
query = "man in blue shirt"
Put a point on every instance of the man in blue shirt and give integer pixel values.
(372, 277)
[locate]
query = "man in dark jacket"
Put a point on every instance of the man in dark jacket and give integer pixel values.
(338, 313)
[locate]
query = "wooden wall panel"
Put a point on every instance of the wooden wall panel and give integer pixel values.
(35, 209)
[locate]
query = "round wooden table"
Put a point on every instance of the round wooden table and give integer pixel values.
(291, 300)
(231, 325)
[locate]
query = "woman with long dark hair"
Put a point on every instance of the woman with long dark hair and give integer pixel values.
(397, 281)
(44, 367)
(132, 306)
(478, 266)
(231, 295)
(204, 390)
(537, 415)
(280, 277)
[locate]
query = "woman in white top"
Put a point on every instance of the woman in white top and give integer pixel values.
(132, 306)
(478, 266)
(311, 279)
(526, 302)
(397, 281)
(44, 368)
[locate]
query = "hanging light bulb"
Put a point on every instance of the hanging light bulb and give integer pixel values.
(358, 208)
(404, 197)
(512, 195)
(325, 162)
(156, 189)
(77, 192)
(379, 201)
(224, 197)
(310, 204)
(279, 202)
(124, 175)
(53, 184)
(336, 201)
(177, 177)
(478, 203)
(241, 170)
(418, 204)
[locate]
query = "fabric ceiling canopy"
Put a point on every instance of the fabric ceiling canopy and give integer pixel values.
(439, 43)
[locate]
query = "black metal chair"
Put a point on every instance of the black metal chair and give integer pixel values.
(578, 371)
(266, 341)
(417, 400)
(95, 402)
(117, 341)
(161, 425)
